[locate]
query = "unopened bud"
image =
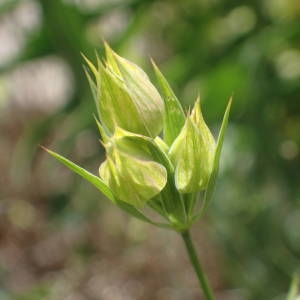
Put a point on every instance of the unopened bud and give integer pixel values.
(192, 153)
(130, 171)
(126, 98)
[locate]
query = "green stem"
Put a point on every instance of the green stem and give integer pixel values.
(197, 266)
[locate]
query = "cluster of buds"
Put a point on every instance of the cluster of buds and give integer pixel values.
(156, 155)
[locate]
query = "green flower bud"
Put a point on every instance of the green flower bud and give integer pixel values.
(126, 98)
(130, 171)
(192, 153)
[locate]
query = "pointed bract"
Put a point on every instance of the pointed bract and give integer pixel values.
(126, 97)
(145, 96)
(116, 106)
(174, 117)
(212, 180)
(192, 153)
(130, 170)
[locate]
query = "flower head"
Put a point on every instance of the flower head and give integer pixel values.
(142, 168)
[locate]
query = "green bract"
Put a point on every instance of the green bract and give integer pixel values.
(125, 97)
(193, 153)
(130, 170)
(142, 168)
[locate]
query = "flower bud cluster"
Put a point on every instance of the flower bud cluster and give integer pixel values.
(155, 154)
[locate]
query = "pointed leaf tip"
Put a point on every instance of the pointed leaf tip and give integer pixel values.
(212, 181)
(95, 180)
(90, 65)
(174, 116)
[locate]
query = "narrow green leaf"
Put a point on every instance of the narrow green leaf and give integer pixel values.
(94, 89)
(102, 131)
(91, 82)
(212, 180)
(91, 66)
(95, 180)
(100, 185)
(174, 116)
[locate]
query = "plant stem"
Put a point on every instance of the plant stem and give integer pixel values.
(197, 266)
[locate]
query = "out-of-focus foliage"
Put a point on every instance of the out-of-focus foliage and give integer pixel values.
(58, 238)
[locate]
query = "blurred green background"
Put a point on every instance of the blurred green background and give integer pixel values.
(59, 238)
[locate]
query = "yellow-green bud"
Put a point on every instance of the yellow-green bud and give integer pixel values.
(130, 171)
(127, 98)
(192, 153)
